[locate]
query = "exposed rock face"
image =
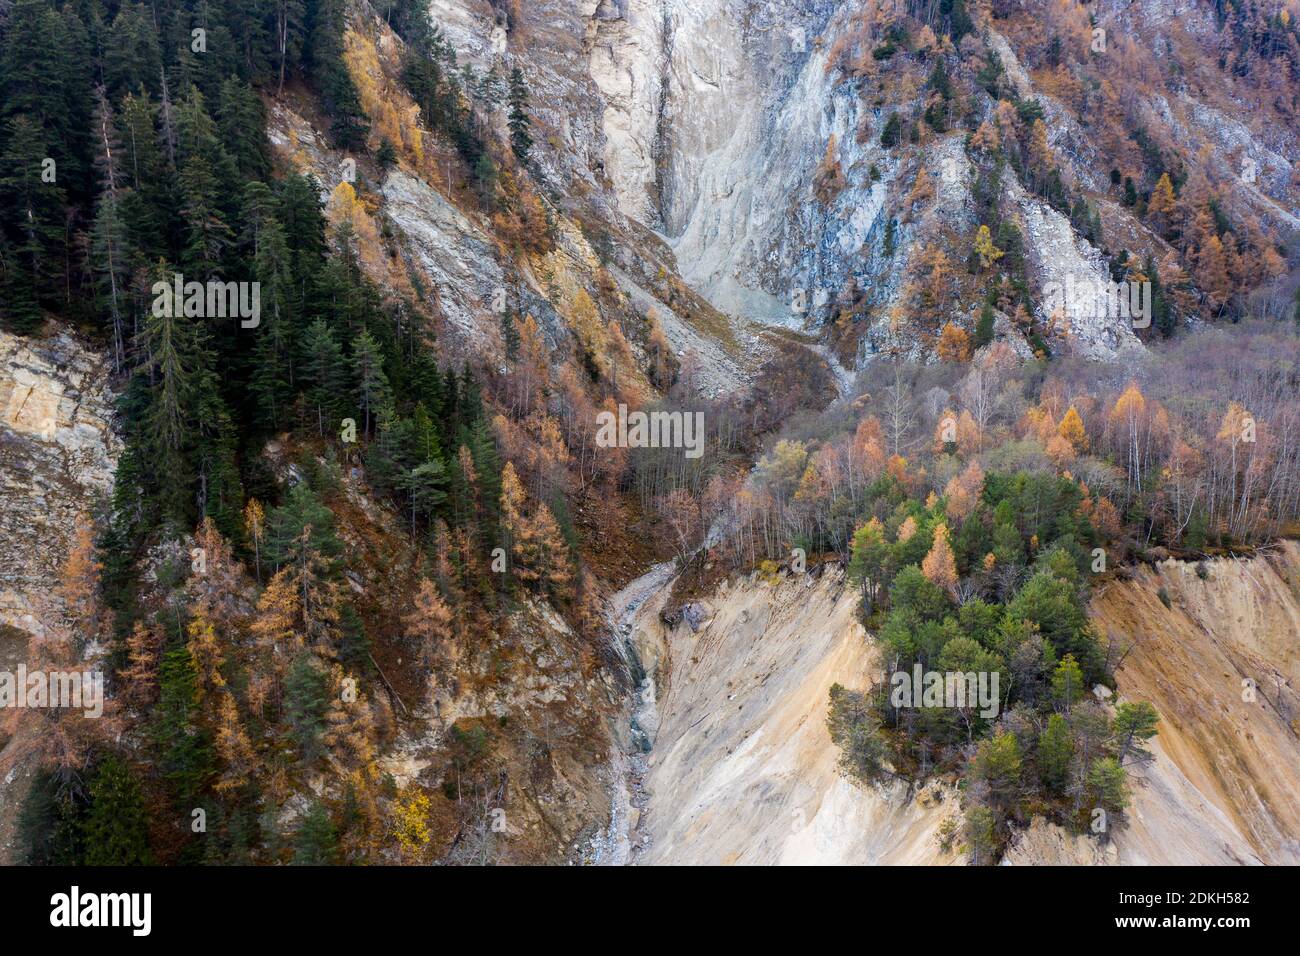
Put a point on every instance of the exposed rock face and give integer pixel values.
(744, 111)
(717, 113)
(58, 453)
(453, 251)
(560, 762)
(628, 60)
(686, 136)
(1061, 259)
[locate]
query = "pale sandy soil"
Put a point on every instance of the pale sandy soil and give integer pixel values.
(1190, 660)
(743, 769)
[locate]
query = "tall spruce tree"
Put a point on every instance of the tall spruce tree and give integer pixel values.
(521, 137)
(116, 827)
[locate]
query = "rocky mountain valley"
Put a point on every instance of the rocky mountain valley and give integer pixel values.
(987, 313)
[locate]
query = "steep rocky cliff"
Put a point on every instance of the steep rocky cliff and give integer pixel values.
(718, 116)
(723, 162)
(57, 455)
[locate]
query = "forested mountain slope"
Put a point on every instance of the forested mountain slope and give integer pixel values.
(312, 310)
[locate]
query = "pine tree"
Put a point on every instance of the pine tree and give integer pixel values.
(521, 139)
(289, 38)
(338, 93)
(31, 209)
(221, 492)
(116, 826)
(1055, 748)
(1108, 784)
(45, 77)
(1067, 683)
(301, 511)
(241, 122)
(1135, 723)
(981, 835)
(51, 824)
(202, 181)
(372, 389)
(984, 326)
(184, 749)
(301, 216)
(892, 133)
(489, 478)
(305, 700)
(176, 368)
(324, 372)
(316, 841)
(870, 555)
(147, 202)
(132, 57)
(997, 763)
(264, 239)
(426, 483)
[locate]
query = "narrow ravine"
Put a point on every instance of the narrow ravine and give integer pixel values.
(617, 845)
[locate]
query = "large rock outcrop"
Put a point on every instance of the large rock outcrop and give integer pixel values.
(58, 453)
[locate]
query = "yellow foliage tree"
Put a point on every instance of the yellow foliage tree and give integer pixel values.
(985, 139)
(275, 625)
(963, 491)
(954, 344)
(428, 622)
(922, 191)
(1060, 451)
(410, 823)
(79, 579)
(939, 566)
(984, 248)
(255, 528)
(1071, 429)
(589, 329)
(1163, 203)
(828, 180)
